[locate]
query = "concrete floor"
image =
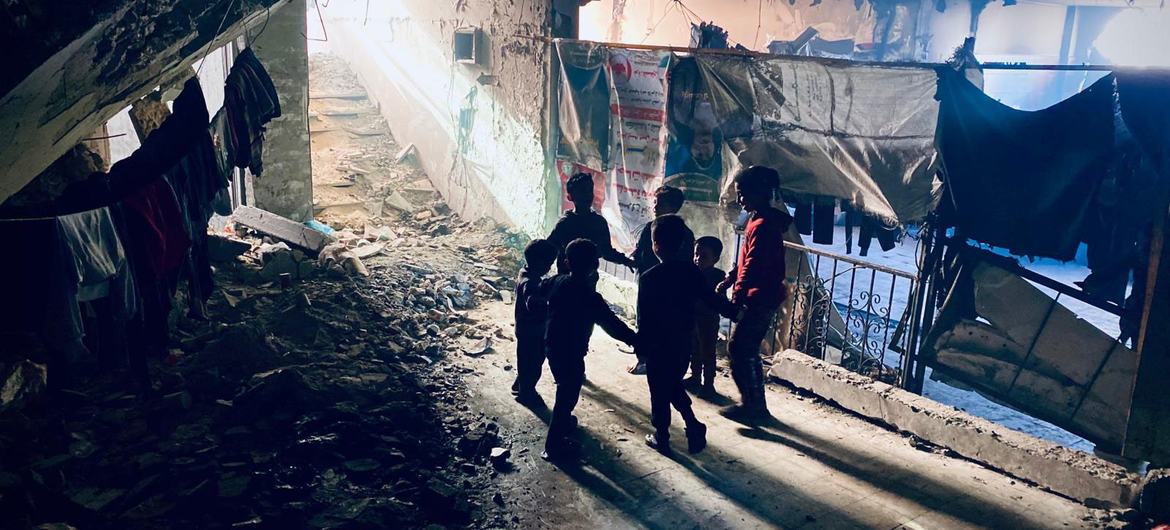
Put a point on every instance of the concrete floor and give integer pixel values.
(814, 467)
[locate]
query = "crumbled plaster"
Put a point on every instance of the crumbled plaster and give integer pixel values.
(78, 68)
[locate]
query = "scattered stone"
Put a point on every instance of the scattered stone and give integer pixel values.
(480, 347)
(23, 380)
(396, 201)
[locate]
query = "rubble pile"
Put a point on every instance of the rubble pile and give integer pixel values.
(315, 396)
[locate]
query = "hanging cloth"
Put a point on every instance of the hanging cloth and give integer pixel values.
(1021, 180)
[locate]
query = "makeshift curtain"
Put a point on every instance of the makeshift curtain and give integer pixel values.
(1025, 181)
(862, 134)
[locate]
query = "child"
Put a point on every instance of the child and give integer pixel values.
(574, 307)
(758, 289)
(707, 252)
(667, 200)
(667, 296)
(531, 310)
(583, 223)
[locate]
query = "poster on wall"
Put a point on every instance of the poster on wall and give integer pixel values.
(694, 153)
(637, 95)
(584, 114)
(568, 168)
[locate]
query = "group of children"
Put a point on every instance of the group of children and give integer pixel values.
(680, 299)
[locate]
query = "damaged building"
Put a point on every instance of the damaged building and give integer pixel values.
(277, 264)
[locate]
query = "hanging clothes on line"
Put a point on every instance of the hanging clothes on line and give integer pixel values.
(65, 261)
(164, 148)
(251, 101)
(197, 180)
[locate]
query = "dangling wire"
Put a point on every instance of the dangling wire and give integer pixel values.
(664, 13)
(267, 17)
(211, 41)
(759, 23)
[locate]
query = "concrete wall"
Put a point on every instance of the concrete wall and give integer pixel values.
(748, 22)
(286, 185)
(480, 129)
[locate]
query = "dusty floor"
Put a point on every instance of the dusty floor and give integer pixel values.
(356, 169)
(814, 467)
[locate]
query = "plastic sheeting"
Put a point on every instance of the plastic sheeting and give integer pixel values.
(860, 133)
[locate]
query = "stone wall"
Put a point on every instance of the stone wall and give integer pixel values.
(480, 129)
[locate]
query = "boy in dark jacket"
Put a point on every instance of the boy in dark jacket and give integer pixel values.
(667, 296)
(531, 312)
(583, 223)
(574, 307)
(707, 251)
(668, 200)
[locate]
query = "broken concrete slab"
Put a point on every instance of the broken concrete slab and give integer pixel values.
(365, 251)
(398, 202)
(1073, 474)
(281, 228)
(408, 152)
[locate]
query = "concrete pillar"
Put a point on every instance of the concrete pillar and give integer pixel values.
(286, 186)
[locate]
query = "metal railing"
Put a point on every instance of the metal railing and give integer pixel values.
(851, 313)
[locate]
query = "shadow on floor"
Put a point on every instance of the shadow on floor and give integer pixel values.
(777, 502)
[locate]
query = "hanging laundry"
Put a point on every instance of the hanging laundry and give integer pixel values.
(824, 218)
(803, 216)
(251, 102)
(156, 242)
(66, 260)
(1025, 181)
(164, 148)
(852, 219)
(223, 143)
(871, 228)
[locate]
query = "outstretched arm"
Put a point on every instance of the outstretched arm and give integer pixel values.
(610, 322)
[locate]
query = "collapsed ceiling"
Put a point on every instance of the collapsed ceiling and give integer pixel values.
(70, 67)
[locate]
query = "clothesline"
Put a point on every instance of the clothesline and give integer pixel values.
(845, 62)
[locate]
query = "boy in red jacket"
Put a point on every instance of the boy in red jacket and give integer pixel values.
(758, 289)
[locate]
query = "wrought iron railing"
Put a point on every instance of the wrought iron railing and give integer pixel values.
(848, 312)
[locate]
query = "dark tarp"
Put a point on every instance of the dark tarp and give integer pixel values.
(1025, 181)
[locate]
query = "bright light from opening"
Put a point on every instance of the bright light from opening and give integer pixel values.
(1137, 37)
